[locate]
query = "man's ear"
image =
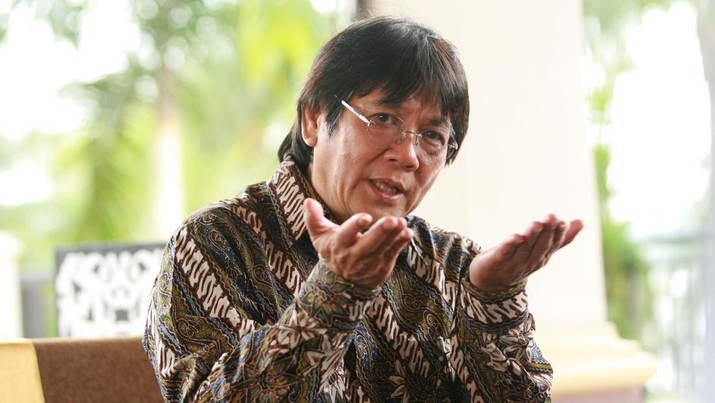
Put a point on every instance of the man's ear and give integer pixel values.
(310, 125)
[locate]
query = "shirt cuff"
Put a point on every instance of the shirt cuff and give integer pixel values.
(494, 312)
(334, 301)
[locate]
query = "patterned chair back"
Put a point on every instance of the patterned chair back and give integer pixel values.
(103, 290)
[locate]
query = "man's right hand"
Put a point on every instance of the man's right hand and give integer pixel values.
(358, 250)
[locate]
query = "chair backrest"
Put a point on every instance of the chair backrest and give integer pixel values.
(104, 370)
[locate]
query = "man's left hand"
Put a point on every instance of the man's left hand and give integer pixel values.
(520, 255)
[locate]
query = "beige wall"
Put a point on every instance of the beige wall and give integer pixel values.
(526, 153)
(10, 298)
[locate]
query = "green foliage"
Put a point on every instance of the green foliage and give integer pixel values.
(4, 16)
(605, 24)
(628, 291)
(37, 222)
(64, 16)
(614, 15)
(229, 99)
(218, 75)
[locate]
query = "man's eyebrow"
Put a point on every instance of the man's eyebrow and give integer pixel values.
(396, 106)
(442, 121)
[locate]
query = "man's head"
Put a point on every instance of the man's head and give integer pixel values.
(369, 86)
(395, 55)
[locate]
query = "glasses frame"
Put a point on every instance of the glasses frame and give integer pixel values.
(452, 145)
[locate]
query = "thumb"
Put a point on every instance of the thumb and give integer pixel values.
(315, 221)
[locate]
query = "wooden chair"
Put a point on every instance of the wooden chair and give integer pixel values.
(103, 370)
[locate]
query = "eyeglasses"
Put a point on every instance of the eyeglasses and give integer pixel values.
(385, 129)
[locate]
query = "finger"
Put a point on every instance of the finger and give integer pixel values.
(548, 241)
(559, 236)
(315, 221)
(531, 236)
(557, 242)
(388, 256)
(402, 239)
(557, 239)
(551, 219)
(381, 236)
(349, 231)
(508, 247)
(542, 246)
(573, 229)
(558, 228)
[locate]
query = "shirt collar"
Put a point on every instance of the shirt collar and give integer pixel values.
(290, 188)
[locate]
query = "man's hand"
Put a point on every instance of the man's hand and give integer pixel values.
(358, 250)
(512, 261)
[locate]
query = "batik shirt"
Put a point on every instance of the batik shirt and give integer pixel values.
(244, 310)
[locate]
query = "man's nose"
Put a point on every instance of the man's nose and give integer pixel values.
(406, 151)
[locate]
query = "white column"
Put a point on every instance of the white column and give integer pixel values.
(10, 301)
(527, 155)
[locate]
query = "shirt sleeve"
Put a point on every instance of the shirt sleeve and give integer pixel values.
(204, 346)
(493, 349)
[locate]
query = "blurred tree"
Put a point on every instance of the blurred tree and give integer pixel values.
(706, 34)
(630, 305)
(629, 295)
(183, 124)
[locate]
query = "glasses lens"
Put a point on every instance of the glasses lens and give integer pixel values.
(385, 130)
(452, 146)
(434, 142)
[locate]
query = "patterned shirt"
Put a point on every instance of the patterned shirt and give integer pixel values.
(244, 310)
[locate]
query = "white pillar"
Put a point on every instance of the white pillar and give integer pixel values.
(526, 155)
(10, 301)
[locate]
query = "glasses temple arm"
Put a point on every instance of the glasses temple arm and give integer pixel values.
(356, 113)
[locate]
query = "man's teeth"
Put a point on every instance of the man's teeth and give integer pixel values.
(385, 188)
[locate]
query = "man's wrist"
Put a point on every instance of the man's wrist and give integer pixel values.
(333, 300)
(493, 312)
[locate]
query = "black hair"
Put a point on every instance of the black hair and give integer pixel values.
(396, 55)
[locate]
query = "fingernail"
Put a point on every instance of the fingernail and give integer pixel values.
(364, 219)
(389, 223)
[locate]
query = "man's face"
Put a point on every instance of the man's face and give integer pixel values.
(353, 175)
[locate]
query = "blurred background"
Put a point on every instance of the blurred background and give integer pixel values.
(119, 118)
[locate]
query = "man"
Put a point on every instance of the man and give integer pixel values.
(319, 286)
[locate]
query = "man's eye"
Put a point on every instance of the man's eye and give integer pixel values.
(384, 119)
(434, 136)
